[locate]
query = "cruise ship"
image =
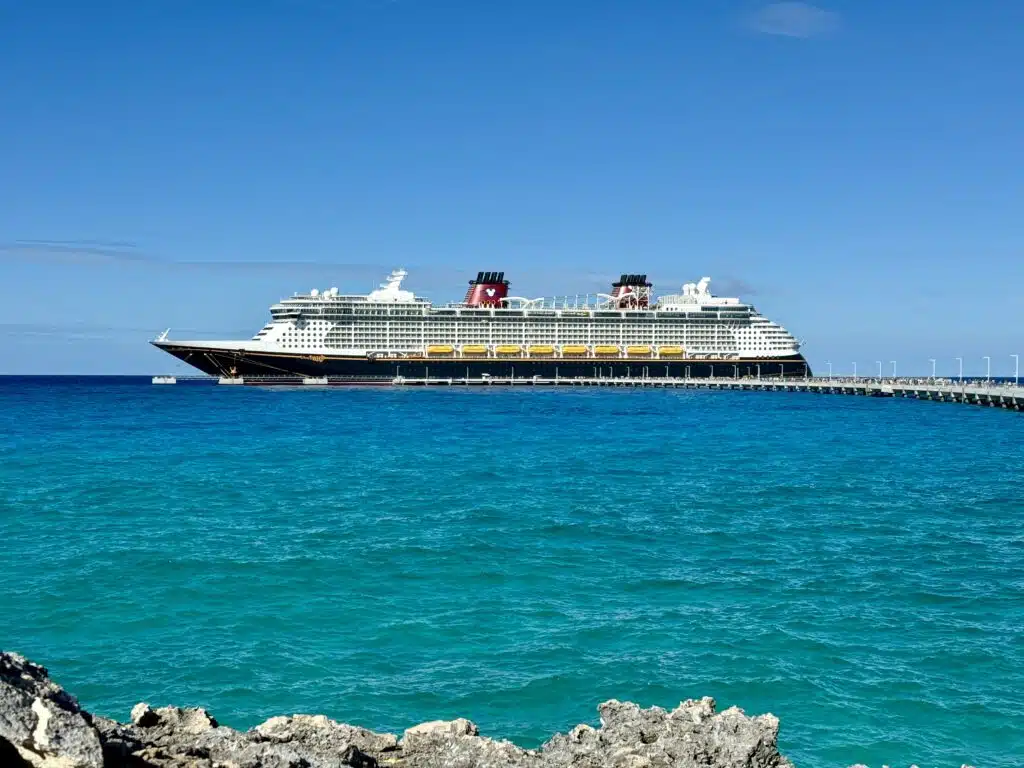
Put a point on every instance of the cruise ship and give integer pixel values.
(391, 332)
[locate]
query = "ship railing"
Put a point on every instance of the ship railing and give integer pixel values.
(594, 351)
(583, 303)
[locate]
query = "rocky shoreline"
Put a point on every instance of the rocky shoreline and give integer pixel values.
(42, 725)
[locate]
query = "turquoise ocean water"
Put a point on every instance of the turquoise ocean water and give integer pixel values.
(855, 566)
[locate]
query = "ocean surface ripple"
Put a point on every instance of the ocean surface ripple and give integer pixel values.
(855, 566)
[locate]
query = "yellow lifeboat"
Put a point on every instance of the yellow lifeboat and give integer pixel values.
(474, 349)
(606, 349)
(508, 349)
(638, 350)
(440, 349)
(670, 351)
(574, 350)
(541, 349)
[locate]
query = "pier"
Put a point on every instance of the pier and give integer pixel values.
(985, 393)
(988, 394)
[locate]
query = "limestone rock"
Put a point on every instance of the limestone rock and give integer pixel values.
(689, 736)
(41, 721)
(41, 726)
(457, 744)
(10, 757)
(188, 720)
(319, 738)
(143, 715)
(438, 729)
(356, 758)
(119, 742)
(454, 748)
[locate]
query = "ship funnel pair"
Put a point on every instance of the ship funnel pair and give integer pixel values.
(487, 290)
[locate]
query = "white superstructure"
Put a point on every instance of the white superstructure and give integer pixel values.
(393, 322)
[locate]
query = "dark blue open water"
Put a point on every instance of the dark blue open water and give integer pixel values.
(855, 566)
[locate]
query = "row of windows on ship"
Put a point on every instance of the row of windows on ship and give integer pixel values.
(714, 340)
(540, 326)
(426, 310)
(476, 328)
(475, 332)
(535, 315)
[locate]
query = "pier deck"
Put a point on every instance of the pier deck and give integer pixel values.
(995, 395)
(1005, 396)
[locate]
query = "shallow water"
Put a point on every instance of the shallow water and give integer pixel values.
(855, 566)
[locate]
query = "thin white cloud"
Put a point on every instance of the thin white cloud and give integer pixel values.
(93, 251)
(733, 286)
(794, 19)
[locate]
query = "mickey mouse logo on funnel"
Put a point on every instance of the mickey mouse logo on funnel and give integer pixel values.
(487, 290)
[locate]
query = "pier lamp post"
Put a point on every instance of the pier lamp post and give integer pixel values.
(893, 368)
(932, 361)
(961, 361)
(1016, 370)
(988, 367)
(879, 369)
(758, 371)
(829, 364)
(854, 371)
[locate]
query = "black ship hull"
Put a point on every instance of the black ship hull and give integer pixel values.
(280, 367)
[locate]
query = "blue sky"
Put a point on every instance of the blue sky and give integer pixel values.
(855, 169)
